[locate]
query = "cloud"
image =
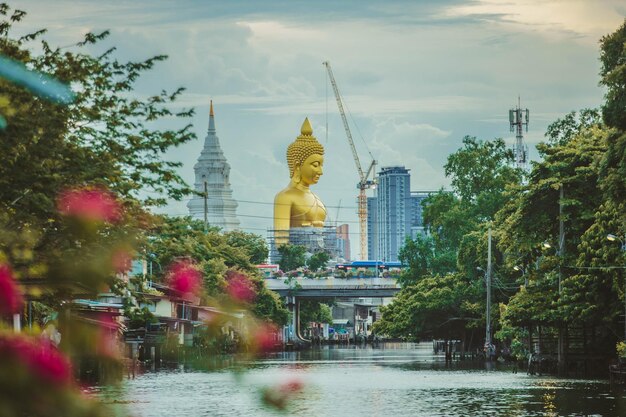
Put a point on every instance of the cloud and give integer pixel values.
(417, 146)
(582, 19)
(415, 76)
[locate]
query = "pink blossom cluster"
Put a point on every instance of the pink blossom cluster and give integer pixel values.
(40, 357)
(263, 337)
(239, 287)
(94, 204)
(184, 277)
(280, 396)
(10, 297)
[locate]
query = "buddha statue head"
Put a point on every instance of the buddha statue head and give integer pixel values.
(305, 157)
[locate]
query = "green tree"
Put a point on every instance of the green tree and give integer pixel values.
(613, 164)
(313, 311)
(269, 306)
(292, 257)
(576, 145)
(253, 244)
(443, 294)
(58, 222)
(183, 237)
(613, 75)
(317, 261)
(106, 138)
(423, 258)
(480, 172)
(436, 306)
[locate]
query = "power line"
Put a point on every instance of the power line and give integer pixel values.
(594, 267)
(248, 228)
(255, 216)
(287, 204)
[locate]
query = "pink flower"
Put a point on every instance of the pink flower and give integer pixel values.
(49, 363)
(94, 204)
(10, 297)
(39, 357)
(264, 337)
(239, 287)
(291, 386)
(184, 278)
(280, 396)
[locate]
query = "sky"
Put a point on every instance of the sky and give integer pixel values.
(416, 77)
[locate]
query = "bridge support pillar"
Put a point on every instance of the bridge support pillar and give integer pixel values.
(294, 336)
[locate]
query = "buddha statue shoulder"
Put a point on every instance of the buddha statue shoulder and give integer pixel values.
(295, 205)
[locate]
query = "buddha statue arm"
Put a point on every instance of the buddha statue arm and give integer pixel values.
(282, 219)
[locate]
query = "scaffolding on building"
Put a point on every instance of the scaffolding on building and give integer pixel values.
(314, 239)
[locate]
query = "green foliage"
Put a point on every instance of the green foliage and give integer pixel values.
(436, 306)
(183, 237)
(313, 311)
(291, 257)
(417, 255)
(613, 163)
(104, 138)
(215, 254)
(138, 317)
(480, 172)
(447, 219)
(442, 292)
(269, 306)
(253, 244)
(572, 124)
(613, 73)
(317, 261)
(570, 161)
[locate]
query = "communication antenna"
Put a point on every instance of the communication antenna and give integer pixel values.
(518, 119)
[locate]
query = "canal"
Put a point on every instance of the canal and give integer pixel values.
(394, 380)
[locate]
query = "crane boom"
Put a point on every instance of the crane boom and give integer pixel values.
(364, 182)
(355, 155)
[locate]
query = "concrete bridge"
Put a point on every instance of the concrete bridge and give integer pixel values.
(297, 289)
(332, 287)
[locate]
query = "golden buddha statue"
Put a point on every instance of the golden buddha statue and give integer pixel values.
(296, 206)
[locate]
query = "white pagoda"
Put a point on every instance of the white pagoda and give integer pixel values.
(212, 173)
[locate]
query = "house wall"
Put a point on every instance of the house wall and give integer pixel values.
(163, 308)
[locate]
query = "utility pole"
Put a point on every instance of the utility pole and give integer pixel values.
(561, 342)
(561, 238)
(488, 325)
(206, 207)
(614, 238)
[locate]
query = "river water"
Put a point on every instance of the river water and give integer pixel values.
(394, 380)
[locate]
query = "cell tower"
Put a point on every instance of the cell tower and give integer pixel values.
(518, 119)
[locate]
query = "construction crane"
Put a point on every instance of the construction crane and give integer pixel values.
(364, 181)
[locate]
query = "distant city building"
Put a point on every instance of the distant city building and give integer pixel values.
(394, 214)
(343, 241)
(213, 172)
(417, 217)
(372, 228)
(394, 210)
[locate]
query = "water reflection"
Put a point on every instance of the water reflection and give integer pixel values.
(396, 380)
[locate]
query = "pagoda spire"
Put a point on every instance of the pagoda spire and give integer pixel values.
(212, 178)
(211, 119)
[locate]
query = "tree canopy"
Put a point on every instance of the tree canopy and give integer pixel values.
(538, 282)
